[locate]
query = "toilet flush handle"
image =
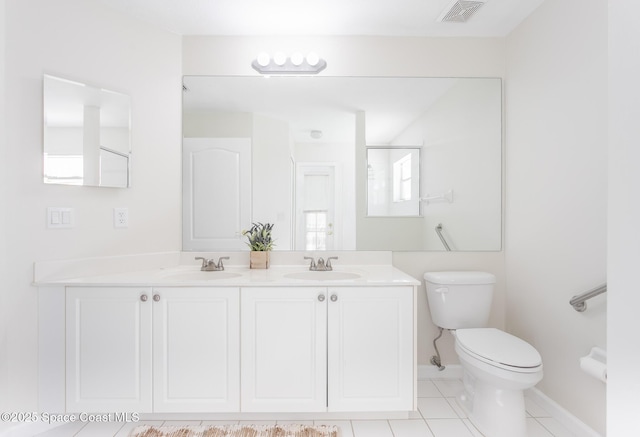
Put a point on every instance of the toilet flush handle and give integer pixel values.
(442, 290)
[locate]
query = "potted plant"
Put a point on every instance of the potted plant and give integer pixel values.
(260, 242)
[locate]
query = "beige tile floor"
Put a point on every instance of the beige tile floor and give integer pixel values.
(438, 415)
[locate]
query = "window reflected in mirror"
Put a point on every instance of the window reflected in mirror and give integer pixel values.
(393, 186)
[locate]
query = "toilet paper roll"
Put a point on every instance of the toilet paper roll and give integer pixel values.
(593, 367)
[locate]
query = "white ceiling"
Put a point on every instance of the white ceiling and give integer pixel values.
(496, 18)
(324, 17)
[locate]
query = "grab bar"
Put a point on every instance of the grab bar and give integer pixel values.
(448, 196)
(444, 242)
(579, 302)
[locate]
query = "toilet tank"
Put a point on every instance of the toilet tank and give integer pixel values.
(459, 300)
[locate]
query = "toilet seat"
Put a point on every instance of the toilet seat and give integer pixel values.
(499, 349)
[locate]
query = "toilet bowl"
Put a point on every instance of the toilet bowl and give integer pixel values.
(497, 366)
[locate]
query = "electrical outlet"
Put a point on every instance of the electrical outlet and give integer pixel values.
(121, 217)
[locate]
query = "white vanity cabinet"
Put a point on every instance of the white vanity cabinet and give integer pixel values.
(371, 348)
(144, 349)
(196, 349)
(284, 349)
(250, 343)
(108, 349)
(327, 349)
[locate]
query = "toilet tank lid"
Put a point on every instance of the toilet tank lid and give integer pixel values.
(460, 277)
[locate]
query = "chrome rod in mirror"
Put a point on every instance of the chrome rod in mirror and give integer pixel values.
(444, 242)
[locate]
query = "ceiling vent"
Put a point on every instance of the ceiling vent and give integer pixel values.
(460, 11)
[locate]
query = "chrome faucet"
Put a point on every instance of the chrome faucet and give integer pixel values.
(209, 265)
(321, 266)
(328, 266)
(312, 266)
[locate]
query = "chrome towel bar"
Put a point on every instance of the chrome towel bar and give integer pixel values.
(579, 302)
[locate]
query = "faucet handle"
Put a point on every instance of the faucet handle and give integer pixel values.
(220, 266)
(312, 266)
(329, 262)
(204, 261)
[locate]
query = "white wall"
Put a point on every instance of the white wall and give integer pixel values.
(4, 268)
(556, 206)
(465, 160)
(623, 402)
(271, 161)
(377, 56)
(87, 42)
(202, 124)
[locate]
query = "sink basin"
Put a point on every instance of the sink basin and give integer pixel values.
(200, 276)
(323, 276)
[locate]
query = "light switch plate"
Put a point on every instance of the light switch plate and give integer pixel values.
(60, 218)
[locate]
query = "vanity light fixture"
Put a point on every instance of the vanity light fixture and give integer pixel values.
(279, 63)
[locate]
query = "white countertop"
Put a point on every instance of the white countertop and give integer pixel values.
(240, 276)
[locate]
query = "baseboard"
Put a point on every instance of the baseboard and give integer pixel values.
(564, 417)
(450, 371)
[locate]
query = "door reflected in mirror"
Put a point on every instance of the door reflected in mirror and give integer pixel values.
(359, 163)
(86, 134)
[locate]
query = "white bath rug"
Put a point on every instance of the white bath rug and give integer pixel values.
(237, 431)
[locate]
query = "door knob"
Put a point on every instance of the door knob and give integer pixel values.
(321, 297)
(144, 298)
(334, 297)
(156, 298)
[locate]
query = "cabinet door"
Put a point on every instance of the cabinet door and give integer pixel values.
(283, 338)
(371, 349)
(196, 349)
(108, 356)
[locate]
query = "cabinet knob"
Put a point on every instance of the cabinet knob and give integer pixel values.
(156, 298)
(321, 297)
(144, 298)
(334, 297)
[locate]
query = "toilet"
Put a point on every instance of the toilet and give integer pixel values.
(497, 367)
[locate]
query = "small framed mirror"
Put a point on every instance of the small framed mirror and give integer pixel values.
(87, 135)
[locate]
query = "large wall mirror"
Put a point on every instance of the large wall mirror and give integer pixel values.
(343, 163)
(87, 134)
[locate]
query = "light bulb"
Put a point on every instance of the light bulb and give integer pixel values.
(313, 59)
(296, 59)
(263, 59)
(280, 58)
